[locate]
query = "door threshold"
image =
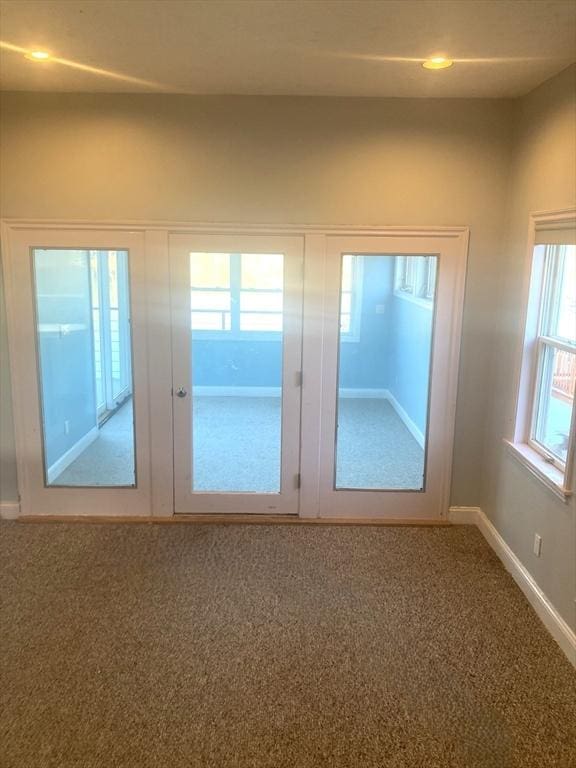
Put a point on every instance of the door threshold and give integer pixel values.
(232, 519)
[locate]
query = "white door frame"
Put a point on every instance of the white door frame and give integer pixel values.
(433, 500)
(153, 329)
(185, 500)
(35, 497)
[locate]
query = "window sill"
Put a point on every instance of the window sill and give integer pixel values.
(418, 300)
(548, 474)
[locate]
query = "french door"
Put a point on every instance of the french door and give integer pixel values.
(387, 397)
(236, 350)
(193, 371)
(77, 332)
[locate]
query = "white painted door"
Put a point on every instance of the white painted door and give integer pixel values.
(390, 339)
(77, 331)
(236, 352)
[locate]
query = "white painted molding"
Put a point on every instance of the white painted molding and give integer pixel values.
(9, 510)
(546, 612)
(239, 391)
(464, 515)
(408, 423)
(360, 393)
(71, 455)
(384, 230)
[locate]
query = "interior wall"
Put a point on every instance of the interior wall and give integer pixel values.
(278, 160)
(543, 178)
(8, 476)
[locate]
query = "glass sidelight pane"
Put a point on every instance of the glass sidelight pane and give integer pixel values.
(237, 349)
(555, 400)
(386, 325)
(84, 350)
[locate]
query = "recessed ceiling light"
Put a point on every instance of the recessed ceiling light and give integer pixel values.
(38, 55)
(437, 62)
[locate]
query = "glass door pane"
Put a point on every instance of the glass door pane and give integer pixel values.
(81, 447)
(236, 319)
(385, 342)
(236, 358)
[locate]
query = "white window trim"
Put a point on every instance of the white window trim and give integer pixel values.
(416, 293)
(557, 479)
(110, 401)
(356, 299)
(234, 333)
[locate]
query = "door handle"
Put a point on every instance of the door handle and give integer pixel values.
(181, 392)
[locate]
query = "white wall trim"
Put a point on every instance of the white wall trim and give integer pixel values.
(408, 423)
(238, 227)
(239, 391)
(360, 393)
(546, 612)
(464, 515)
(71, 455)
(9, 510)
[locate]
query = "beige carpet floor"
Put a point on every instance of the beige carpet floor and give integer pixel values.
(273, 647)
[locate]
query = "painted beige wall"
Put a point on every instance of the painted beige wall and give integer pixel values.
(543, 177)
(8, 478)
(281, 160)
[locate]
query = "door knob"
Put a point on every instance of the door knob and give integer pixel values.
(181, 392)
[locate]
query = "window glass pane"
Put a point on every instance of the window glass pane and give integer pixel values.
(254, 301)
(88, 434)
(346, 304)
(430, 286)
(345, 323)
(200, 300)
(262, 270)
(210, 321)
(97, 332)
(119, 309)
(561, 299)
(210, 270)
(555, 400)
(253, 321)
(347, 267)
(383, 383)
(237, 387)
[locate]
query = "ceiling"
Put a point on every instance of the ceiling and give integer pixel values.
(502, 48)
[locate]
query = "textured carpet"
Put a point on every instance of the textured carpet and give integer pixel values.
(237, 445)
(109, 460)
(190, 646)
(375, 449)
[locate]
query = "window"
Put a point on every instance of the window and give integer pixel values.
(415, 278)
(111, 328)
(236, 293)
(545, 422)
(351, 297)
(553, 401)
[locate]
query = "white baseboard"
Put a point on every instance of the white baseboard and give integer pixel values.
(408, 423)
(464, 515)
(548, 615)
(71, 455)
(372, 393)
(9, 510)
(237, 391)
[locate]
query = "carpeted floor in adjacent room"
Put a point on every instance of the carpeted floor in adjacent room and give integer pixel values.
(187, 646)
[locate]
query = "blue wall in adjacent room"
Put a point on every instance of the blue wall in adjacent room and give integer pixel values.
(391, 350)
(409, 357)
(65, 347)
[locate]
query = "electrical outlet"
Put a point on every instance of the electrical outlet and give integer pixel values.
(380, 309)
(537, 544)
(66, 427)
